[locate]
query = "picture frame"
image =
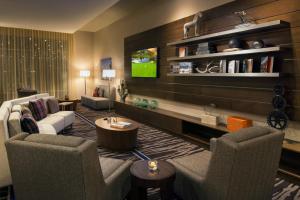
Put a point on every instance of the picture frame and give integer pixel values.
(105, 63)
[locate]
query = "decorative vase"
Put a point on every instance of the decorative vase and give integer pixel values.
(123, 91)
(153, 104)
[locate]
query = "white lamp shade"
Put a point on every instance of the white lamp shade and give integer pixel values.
(109, 73)
(85, 73)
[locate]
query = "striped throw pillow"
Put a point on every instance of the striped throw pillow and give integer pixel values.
(38, 109)
(28, 124)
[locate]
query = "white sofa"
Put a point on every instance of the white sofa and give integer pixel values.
(52, 124)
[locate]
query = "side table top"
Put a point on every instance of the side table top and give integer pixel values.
(103, 123)
(140, 170)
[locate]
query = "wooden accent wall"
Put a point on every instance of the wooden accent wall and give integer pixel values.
(251, 95)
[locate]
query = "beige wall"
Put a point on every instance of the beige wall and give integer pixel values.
(82, 59)
(109, 42)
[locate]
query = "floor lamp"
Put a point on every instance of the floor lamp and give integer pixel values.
(109, 74)
(85, 74)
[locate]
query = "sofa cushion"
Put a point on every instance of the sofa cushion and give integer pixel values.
(17, 108)
(38, 109)
(95, 98)
(56, 121)
(47, 129)
(101, 92)
(14, 123)
(53, 105)
(69, 117)
(109, 165)
(247, 134)
(58, 140)
(197, 163)
(28, 124)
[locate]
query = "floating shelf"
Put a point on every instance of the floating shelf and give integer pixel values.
(266, 75)
(223, 54)
(231, 32)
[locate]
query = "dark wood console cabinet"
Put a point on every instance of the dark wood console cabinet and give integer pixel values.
(180, 124)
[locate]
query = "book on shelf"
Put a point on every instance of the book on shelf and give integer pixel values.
(249, 65)
(183, 51)
(271, 64)
(231, 67)
(264, 64)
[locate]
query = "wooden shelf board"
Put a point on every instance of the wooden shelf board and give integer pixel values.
(236, 31)
(266, 75)
(292, 146)
(223, 54)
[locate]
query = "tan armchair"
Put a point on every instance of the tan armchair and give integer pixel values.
(62, 167)
(240, 165)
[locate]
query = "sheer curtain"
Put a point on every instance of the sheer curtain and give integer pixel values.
(34, 59)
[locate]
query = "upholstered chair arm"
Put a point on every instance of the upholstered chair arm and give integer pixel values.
(213, 142)
(123, 169)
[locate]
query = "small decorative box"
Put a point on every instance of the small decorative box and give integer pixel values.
(236, 123)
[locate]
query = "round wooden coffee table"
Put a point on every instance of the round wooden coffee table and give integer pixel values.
(142, 179)
(120, 139)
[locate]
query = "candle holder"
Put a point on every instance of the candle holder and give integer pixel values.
(152, 165)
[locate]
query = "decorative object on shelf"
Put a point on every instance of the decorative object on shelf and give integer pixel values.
(246, 20)
(209, 68)
(186, 67)
(249, 65)
(105, 63)
(194, 23)
(235, 123)
(258, 44)
(234, 44)
(153, 104)
(136, 101)
(123, 91)
(85, 74)
(223, 66)
(206, 48)
(278, 119)
(267, 64)
(67, 97)
(144, 103)
(152, 165)
(182, 51)
(175, 68)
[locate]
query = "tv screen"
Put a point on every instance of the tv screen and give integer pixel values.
(144, 63)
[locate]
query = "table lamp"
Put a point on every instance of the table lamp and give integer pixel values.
(85, 74)
(109, 74)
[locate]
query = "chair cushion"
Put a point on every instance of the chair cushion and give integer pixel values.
(58, 140)
(56, 121)
(197, 163)
(109, 165)
(53, 105)
(14, 123)
(69, 117)
(247, 134)
(95, 98)
(28, 124)
(38, 109)
(47, 129)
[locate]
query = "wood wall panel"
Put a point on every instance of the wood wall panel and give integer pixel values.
(251, 95)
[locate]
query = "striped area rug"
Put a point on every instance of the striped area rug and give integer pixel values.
(157, 144)
(152, 144)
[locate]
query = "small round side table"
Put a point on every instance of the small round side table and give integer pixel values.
(142, 179)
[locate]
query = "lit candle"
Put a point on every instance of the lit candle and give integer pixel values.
(152, 165)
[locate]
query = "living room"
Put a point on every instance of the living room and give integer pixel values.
(151, 99)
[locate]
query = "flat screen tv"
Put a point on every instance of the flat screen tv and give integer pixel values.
(144, 63)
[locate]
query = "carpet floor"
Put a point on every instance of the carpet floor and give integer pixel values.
(154, 144)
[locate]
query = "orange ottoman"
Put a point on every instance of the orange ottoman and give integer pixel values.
(236, 123)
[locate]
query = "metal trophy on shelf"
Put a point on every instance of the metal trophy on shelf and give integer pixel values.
(194, 23)
(246, 20)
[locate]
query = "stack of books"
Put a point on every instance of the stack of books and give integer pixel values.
(206, 48)
(120, 124)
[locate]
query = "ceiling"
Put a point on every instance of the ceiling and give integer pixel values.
(113, 14)
(51, 15)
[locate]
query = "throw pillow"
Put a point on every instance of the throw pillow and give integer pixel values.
(26, 110)
(38, 109)
(53, 105)
(96, 92)
(101, 92)
(28, 124)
